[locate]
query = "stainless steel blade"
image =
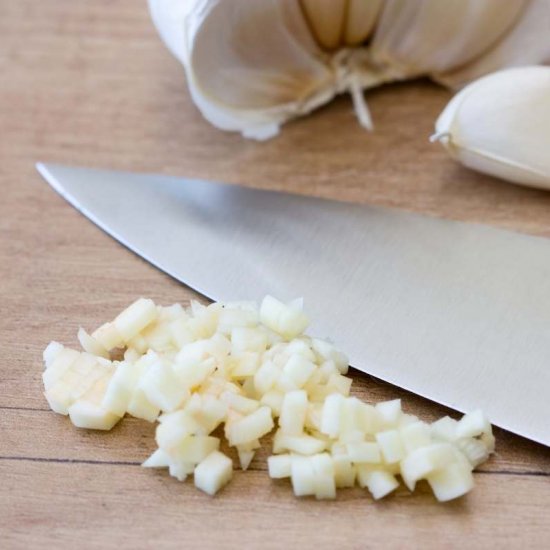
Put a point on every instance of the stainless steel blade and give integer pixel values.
(456, 312)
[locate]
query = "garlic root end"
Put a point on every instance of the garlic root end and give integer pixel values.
(442, 137)
(360, 106)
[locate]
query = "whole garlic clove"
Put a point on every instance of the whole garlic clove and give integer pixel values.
(527, 43)
(419, 37)
(500, 125)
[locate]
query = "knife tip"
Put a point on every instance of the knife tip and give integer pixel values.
(40, 167)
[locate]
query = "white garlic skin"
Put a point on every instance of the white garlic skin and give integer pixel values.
(500, 125)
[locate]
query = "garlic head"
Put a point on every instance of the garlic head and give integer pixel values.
(253, 65)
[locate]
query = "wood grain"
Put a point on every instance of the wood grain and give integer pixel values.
(89, 83)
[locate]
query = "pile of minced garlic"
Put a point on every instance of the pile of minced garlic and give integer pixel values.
(251, 370)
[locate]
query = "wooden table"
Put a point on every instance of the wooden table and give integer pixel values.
(90, 83)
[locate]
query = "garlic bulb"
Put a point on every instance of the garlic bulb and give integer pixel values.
(500, 125)
(251, 66)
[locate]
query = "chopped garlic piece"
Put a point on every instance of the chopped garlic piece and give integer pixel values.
(285, 319)
(279, 466)
(53, 349)
(135, 318)
(213, 473)
(293, 412)
(159, 459)
(253, 426)
(108, 336)
(323, 468)
(302, 476)
(472, 424)
(364, 452)
(91, 345)
(379, 482)
(451, 482)
(84, 414)
(390, 446)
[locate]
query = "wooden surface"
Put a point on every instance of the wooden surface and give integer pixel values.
(89, 83)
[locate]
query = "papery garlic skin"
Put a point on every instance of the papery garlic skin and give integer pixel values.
(168, 17)
(500, 125)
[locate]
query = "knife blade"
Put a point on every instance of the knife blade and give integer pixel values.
(455, 312)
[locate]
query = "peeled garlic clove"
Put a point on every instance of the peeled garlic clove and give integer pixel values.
(362, 15)
(326, 19)
(339, 23)
(500, 125)
(416, 37)
(527, 43)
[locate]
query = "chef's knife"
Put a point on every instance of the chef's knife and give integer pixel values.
(456, 312)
